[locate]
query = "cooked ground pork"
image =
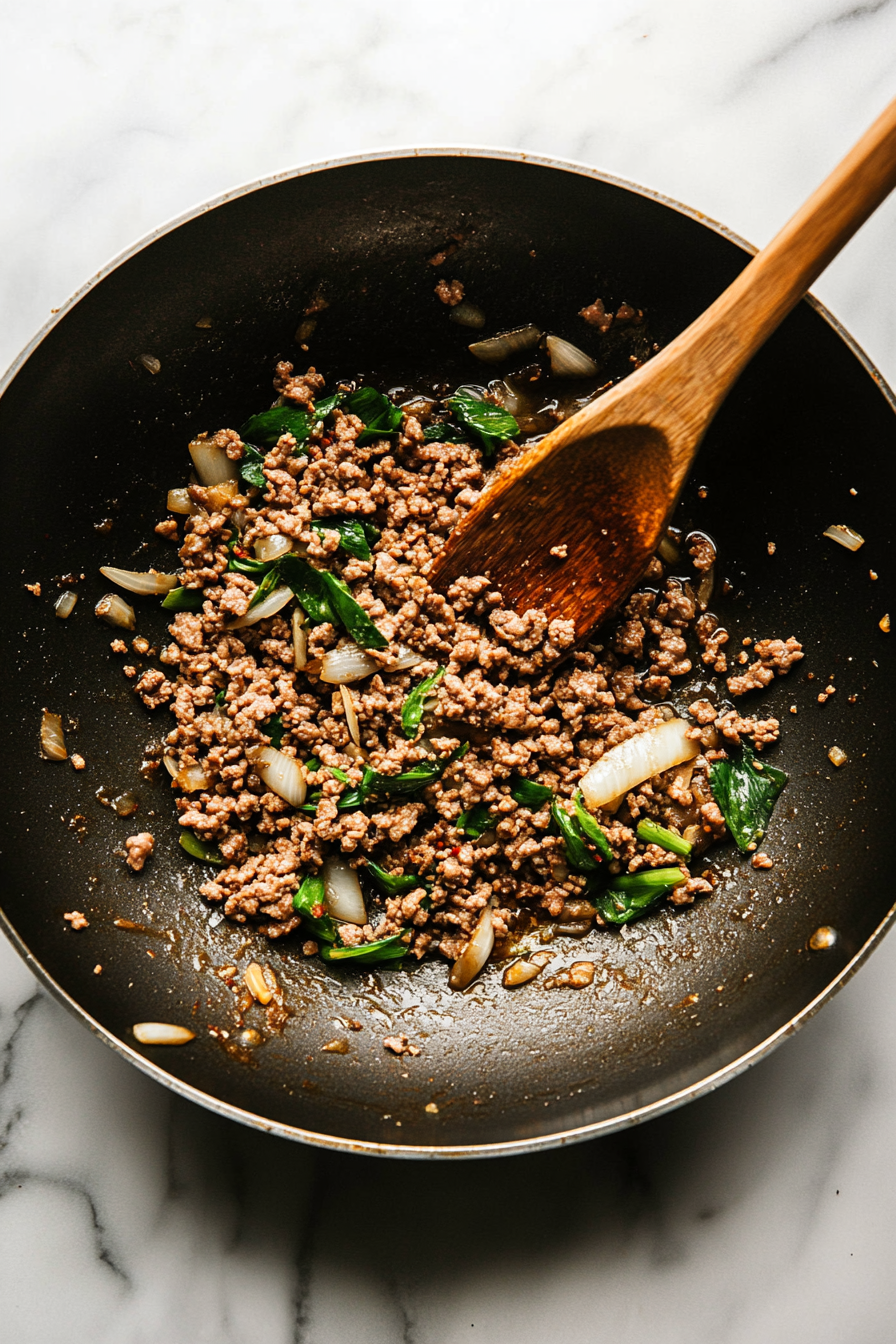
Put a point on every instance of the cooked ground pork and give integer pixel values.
(515, 700)
(139, 848)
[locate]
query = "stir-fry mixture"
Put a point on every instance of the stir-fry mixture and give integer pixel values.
(382, 770)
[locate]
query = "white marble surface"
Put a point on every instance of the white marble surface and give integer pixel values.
(760, 1215)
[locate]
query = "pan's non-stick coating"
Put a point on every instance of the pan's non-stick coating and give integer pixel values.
(89, 435)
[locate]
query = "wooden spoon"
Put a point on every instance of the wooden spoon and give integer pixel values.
(603, 484)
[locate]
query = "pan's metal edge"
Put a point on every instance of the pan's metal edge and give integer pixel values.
(513, 1147)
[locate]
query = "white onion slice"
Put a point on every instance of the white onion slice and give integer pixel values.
(162, 1033)
(170, 764)
(476, 953)
(282, 774)
(271, 548)
(406, 658)
(268, 606)
(466, 314)
(192, 778)
(52, 742)
(568, 361)
(641, 757)
(146, 584)
(345, 899)
(845, 536)
(115, 611)
(299, 640)
(351, 715)
(65, 604)
(219, 496)
(348, 663)
(506, 345)
(179, 500)
(212, 463)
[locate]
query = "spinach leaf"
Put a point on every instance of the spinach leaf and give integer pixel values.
(490, 425)
(250, 467)
(310, 903)
(577, 852)
(444, 431)
(183, 599)
(200, 849)
(369, 954)
(393, 884)
(308, 585)
(266, 428)
(413, 709)
(475, 821)
(654, 834)
(267, 585)
(589, 827)
(745, 791)
(379, 415)
(634, 894)
(529, 794)
(350, 614)
(355, 536)
(274, 729)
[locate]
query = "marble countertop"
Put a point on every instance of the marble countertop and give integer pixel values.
(758, 1215)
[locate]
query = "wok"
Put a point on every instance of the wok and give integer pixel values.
(684, 999)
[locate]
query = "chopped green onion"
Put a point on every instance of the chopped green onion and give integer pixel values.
(654, 834)
(577, 852)
(200, 849)
(274, 729)
(393, 884)
(369, 954)
(310, 896)
(590, 827)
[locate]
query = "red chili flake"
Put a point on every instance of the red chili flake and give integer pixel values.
(238, 550)
(318, 910)
(440, 844)
(456, 850)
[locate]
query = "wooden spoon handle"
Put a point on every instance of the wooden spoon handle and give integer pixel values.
(693, 374)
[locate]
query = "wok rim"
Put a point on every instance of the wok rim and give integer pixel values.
(561, 1138)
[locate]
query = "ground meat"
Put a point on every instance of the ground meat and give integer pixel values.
(775, 656)
(450, 292)
(702, 552)
(400, 1045)
(597, 316)
(139, 848)
(509, 696)
(77, 919)
(167, 528)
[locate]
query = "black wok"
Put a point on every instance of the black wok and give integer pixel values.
(683, 1000)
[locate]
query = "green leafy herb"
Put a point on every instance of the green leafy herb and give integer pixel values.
(267, 585)
(309, 898)
(327, 405)
(221, 697)
(490, 425)
(654, 834)
(308, 585)
(243, 563)
(355, 536)
(313, 764)
(274, 729)
(379, 415)
(590, 827)
(476, 821)
(444, 431)
(577, 852)
(529, 794)
(183, 599)
(350, 614)
(413, 709)
(199, 849)
(338, 774)
(265, 429)
(746, 790)
(393, 884)
(369, 954)
(634, 894)
(413, 780)
(250, 467)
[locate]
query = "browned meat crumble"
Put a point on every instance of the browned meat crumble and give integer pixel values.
(515, 691)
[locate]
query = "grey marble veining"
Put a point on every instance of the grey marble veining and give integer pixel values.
(762, 1214)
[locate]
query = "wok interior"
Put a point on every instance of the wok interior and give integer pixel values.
(89, 435)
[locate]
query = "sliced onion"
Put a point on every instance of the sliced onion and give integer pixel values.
(506, 345)
(351, 715)
(705, 587)
(268, 606)
(348, 663)
(845, 536)
(641, 757)
(668, 551)
(212, 463)
(192, 778)
(568, 361)
(282, 774)
(299, 640)
(345, 900)
(65, 604)
(179, 501)
(170, 764)
(406, 658)
(147, 584)
(115, 611)
(466, 314)
(162, 1033)
(477, 951)
(219, 496)
(52, 741)
(271, 548)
